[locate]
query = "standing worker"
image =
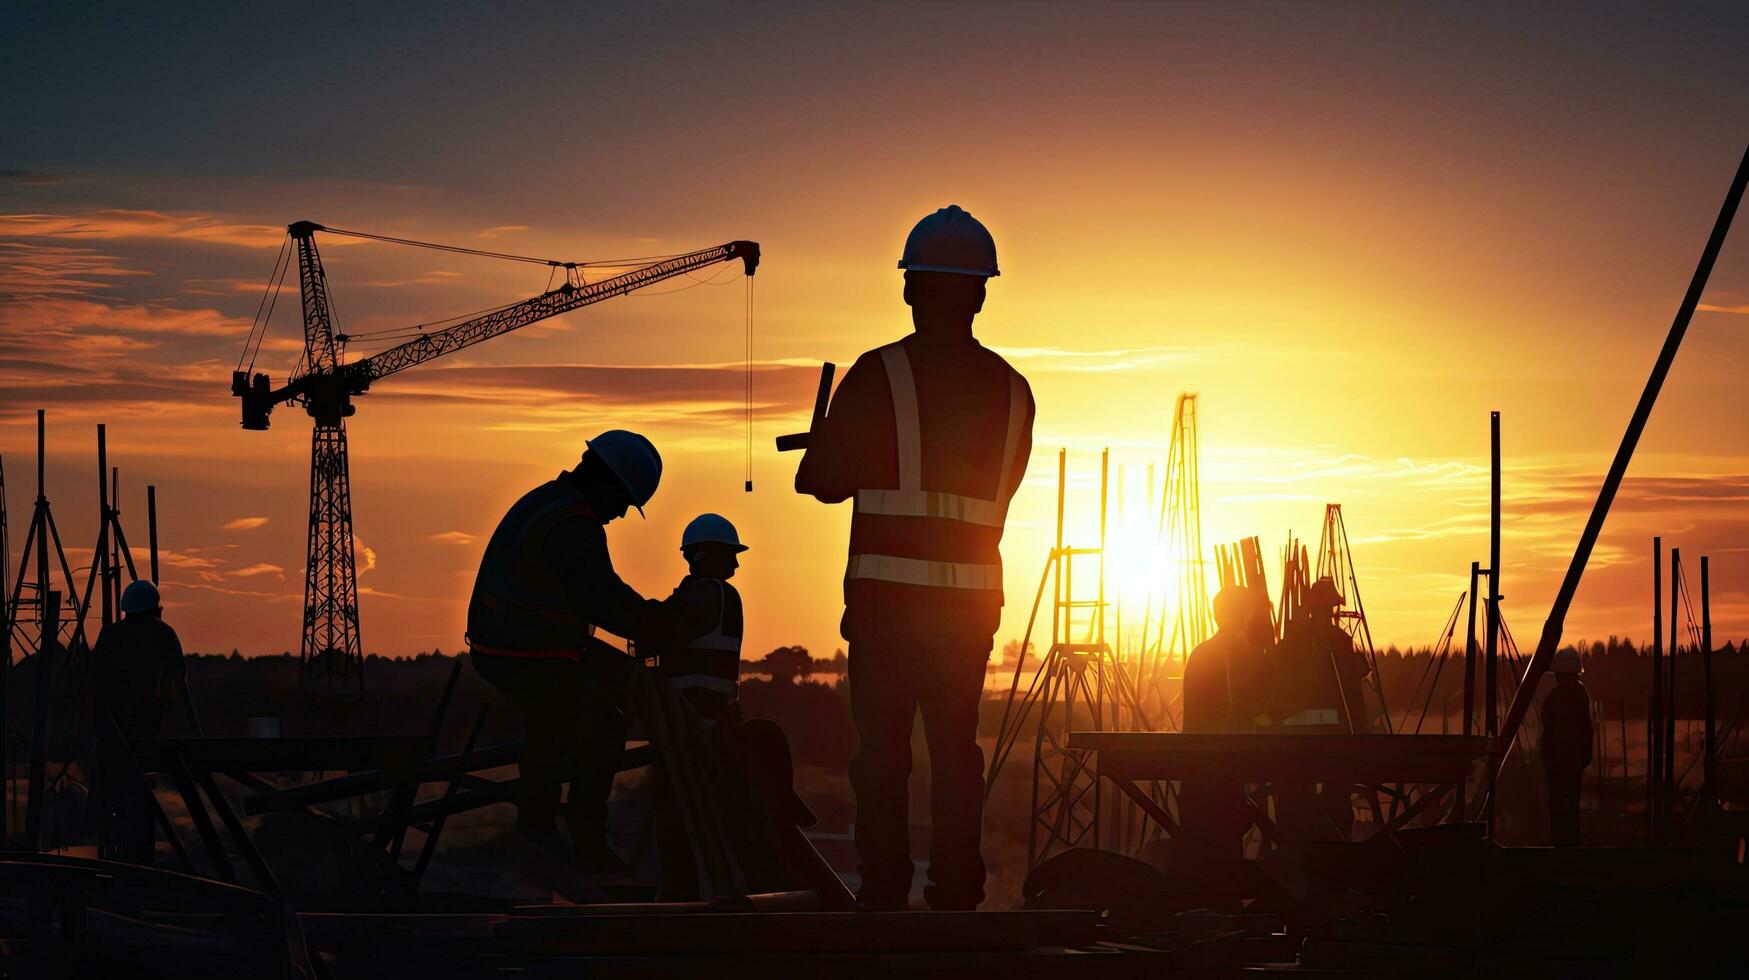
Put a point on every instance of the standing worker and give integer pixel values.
(141, 675)
(545, 584)
(1566, 747)
(931, 436)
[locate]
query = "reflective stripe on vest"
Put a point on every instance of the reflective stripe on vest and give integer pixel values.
(717, 641)
(708, 682)
(933, 574)
(911, 500)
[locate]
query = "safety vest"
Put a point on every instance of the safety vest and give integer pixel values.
(712, 661)
(956, 546)
(520, 608)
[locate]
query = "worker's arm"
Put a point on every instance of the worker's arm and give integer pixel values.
(839, 448)
(689, 612)
(1023, 451)
(577, 549)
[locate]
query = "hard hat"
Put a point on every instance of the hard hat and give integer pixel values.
(1323, 593)
(1566, 661)
(139, 597)
(633, 459)
(950, 240)
(711, 529)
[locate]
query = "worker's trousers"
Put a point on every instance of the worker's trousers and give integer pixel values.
(889, 684)
(1565, 787)
(573, 730)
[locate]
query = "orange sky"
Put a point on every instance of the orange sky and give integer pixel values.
(1352, 235)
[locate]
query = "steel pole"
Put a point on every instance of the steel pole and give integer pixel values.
(1709, 769)
(1491, 691)
(152, 527)
(1655, 711)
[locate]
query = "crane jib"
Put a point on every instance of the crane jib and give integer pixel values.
(326, 392)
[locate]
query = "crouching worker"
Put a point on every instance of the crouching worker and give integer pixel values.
(697, 644)
(545, 584)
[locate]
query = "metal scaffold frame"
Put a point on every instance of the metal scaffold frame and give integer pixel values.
(1079, 681)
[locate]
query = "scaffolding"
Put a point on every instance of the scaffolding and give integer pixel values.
(1336, 562)
(1079, 684)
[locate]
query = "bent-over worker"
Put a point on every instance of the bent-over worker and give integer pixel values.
(545, 584)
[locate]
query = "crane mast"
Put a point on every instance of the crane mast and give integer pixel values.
(330, 648)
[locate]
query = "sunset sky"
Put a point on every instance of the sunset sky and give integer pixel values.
(1353, 229)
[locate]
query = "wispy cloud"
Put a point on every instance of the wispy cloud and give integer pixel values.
(35, 316)
(31, 269)
(245, 523)
(498, 231)
(1093, 361)
(116, 223)
(1741, 309)
(259, 568)
(453, 537)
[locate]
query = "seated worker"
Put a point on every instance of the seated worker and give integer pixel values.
(701, 657)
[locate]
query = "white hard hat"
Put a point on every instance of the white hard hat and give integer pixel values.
(633, 459)
(139, 597)
(1566, 661)
(950, 240)
(710, 529)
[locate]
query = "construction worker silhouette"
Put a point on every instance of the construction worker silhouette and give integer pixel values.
(141, 675)
(1566, 747)
(930, 435)
(698, 646)
(1218, 679)
(704, 616)
(545, 584)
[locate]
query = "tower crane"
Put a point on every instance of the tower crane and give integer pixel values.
(326, 387)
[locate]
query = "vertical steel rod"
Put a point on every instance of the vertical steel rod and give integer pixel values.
(152, 527)
(39, 744)
(1709, 770)
(102, 556)
(1491, 692)
(1655, 714)
(1671, 809)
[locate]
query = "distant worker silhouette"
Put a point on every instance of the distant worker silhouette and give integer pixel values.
(1566, 747)
(931, 436)
(1220, 676)
(141, 675)
(545, 584)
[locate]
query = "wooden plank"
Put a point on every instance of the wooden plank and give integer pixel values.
(1358, 758)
